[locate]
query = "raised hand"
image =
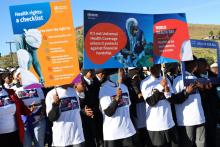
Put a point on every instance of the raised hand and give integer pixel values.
(88, 111)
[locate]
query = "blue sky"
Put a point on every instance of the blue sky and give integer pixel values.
(197, 11)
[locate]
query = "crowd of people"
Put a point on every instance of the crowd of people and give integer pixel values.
(134, 107)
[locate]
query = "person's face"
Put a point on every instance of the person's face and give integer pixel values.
(19, 78)
(134, 30)
(176, 70)
(101, 76)
(14, 77)
(155, 70)
(214, 70)
(11, 77)
(7, 80)
(89, 75)
(80, 87)
(145, 72)
(202, 68)
(194, 67)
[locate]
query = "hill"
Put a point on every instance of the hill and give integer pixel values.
(6, 61)
(79, 43)
(200, 31)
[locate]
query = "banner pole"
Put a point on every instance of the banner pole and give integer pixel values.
(164, 70)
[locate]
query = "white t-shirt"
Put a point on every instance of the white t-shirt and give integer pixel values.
(32, 96)
(67, 130)
(7, 86)
(158, 117)
(190, 112)
(119, 125)
(7, 114)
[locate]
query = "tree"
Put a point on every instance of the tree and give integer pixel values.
(219, 33)
(211, 33)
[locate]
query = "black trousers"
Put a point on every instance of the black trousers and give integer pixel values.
(142, 138)
(92, 129)
(164, 138)
(125, 142)
(77, 145)
(211, 133)
(10, 140)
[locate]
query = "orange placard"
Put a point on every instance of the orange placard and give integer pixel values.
(48, 32)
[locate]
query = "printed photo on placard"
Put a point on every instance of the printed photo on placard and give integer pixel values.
(4, 101)
(26, 94)
(69, 103)
(123, 101)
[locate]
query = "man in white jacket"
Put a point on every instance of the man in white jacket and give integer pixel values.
(118, 129)
(158, 95)
(190, 115)
(63, 108)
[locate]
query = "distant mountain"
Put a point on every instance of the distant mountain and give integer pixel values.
(201, 31)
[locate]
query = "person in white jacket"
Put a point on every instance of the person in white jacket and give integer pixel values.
(190, 114)
(118, 129)
(63, 108)
(158, 94)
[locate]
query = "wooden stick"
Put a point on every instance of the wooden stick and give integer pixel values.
(163, 70)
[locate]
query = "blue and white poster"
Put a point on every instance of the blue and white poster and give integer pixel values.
(117, 40)
(120, 40)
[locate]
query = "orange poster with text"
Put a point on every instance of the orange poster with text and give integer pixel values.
(48, 50)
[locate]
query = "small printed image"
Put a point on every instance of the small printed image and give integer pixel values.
(26, 94)
(4, 101)
(69, 103)
(124, 100)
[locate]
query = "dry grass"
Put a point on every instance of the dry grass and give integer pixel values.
(200, 31)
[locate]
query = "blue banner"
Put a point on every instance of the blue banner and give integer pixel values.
(203, 44)
(29, 16)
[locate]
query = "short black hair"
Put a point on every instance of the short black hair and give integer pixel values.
(110, 71)
(85, 71)
(99, 70)
(202, 60)
(4, 75)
